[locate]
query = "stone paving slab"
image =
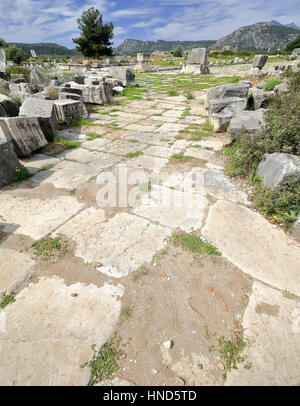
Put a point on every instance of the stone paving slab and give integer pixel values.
(16, 267)
(124, 147)
(96, 144)
(162, 152)
(151, 163)
(38, 162)
(121, 245)
(80, 155)
(173, 208)
(50, 329)
(199, 153)
(272, 326)
(35, 217)
(255, 246)
(67, 175)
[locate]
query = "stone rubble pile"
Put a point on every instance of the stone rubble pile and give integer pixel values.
(45, 104)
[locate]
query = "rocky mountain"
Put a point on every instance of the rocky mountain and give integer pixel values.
(46, 49)
(133, 46)
(260, 37)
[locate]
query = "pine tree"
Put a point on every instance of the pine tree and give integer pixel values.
(95, 38)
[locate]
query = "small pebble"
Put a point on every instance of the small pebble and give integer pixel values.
(168, 344)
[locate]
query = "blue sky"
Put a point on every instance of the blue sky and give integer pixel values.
(55, 20)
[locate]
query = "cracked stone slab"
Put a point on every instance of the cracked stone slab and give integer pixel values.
(199, 153)
(16, 267)
(121, 244)
(96, 144)
(162, 152)
(272, 326)
(80, 155)
(50, 329)
(123, 147)
(220, 186)
(173, 208)
(216, 144)
(170, 127)
(152, 163)
(38, 162)
(254, 245)
(72, 135)
(34, 217)
(67, 175)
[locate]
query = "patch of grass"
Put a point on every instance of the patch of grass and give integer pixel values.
(207, 127)
(271, 84)
(189, 95)
(289, 295)
(92, 136)
(77, 121)
(196, 138)
(53, 93)
(137, 275)
(181, 157)
(46, 167)
(126, 312)
(68, 144)
(230, 352)
(195, 244)
(48, 247)
(173, 93)
(21, 174)
(104, 362)
(7, 300)
(134, 154)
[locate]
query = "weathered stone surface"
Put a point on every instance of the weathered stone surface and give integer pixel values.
(34, 217)
(67, 175)
(260, 98)
(254, 245)
(218, 185)
(247, 121)
(259, 61)
(231, 104)
(172, 208)
(16, 267)
(4, 86)
(67, 110)
(44, 111)
(2, 60)
(221, 121)
(25, 133)
(101, 94)
(277, 167)
(8, 107)
(198, 56)
(121, 244)
(36, 78)
(116, 382)
(143, 64)
(57, 329)
(228, 90)
(124, 75)
(38, 162)
(8, 160)
(193, 69)
(271, 324)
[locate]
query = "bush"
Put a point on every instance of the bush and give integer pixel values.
(293, 45)
(271, 84)
(282, 203)
(282, 133)
(15, 55)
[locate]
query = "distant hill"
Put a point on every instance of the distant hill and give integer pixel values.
(260, 37)
(133, 46)
(46, 49)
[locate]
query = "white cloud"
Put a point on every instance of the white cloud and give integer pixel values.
(131, 12)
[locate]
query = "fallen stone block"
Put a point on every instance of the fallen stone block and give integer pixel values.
(124, 75)
(101, 94)
(8, 160)
(259, 61)
(44, 111)
(228, 90)
(37, 79)
(25, 133)
(234, 104)
(220, 121)
(259, 98)
(68, 110)
(8, 107)
(250, 122)
(192, 69)
(277, 167)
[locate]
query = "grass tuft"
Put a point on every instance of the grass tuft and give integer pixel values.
(195, 244)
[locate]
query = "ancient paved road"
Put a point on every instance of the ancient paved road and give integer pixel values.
(125, 257)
